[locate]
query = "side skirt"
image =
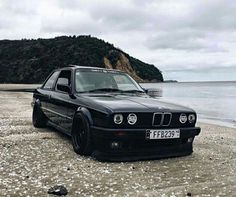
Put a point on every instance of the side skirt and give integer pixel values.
(62, 130)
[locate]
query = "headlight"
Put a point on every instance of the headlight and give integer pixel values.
(183, 118)
(118, 118)
(132, 119)
(191, 118)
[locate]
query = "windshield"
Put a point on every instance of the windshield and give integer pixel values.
(103, 80)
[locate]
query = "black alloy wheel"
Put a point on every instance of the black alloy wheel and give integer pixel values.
(38, 118)
(81, 136)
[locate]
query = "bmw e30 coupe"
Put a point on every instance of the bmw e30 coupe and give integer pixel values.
(111, 117)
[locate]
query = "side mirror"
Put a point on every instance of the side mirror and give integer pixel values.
(154, 92)
(64, 88)
(145, 90)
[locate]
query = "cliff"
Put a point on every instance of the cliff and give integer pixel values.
(30, 61)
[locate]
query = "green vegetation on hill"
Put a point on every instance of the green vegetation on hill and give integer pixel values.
(30, 61)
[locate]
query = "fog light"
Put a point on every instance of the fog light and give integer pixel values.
(115, 145)
(190, 140)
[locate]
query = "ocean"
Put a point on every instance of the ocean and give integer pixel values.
(214, 102)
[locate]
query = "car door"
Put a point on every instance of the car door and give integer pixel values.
(45, 93)
(59, 101)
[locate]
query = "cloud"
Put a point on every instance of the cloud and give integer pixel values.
(173, 35)
(70, 23)
(188, 40)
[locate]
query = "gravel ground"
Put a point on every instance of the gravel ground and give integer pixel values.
(33, 160)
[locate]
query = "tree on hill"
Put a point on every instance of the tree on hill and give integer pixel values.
(30, 61)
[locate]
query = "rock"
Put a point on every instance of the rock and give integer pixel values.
(6, 145)
(58, 190)
(189, 194)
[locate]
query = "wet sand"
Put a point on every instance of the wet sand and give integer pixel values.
(32, 160)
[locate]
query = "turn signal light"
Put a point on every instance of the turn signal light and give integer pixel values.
(120, 133)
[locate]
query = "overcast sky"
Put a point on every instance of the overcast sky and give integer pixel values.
(187, 39)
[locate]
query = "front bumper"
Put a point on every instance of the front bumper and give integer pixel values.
(133, 144)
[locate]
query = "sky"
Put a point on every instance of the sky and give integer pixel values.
(188, 40)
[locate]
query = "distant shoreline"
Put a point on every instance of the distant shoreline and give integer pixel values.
(206, 81)
(217, 122)
(167, 81)
(173, 82)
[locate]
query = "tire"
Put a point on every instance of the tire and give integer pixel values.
(38, 118)
(81, 135)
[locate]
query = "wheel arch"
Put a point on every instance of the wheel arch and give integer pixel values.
(37, 103)
(39, 119)
(84, 111)
(84, 115)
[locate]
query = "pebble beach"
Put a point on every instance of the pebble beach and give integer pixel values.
(33, 160)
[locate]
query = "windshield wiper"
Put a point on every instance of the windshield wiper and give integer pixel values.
(133, 91)
(104, 90)
(112, 90)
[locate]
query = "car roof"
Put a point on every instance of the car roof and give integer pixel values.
(87, 68)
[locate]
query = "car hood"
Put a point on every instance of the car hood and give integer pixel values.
(130, 103)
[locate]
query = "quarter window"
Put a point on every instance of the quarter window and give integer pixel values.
(50, 82)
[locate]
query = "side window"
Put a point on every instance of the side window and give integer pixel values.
(49, 83)
(64, 78)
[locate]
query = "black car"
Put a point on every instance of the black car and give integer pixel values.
(109, 116)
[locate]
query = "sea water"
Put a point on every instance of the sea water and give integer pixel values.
(214, 102)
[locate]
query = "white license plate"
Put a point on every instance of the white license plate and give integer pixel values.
(163, 134)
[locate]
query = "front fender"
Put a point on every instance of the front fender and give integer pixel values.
(86, 113)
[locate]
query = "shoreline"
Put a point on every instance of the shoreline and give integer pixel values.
(30, 87)
(217, 122)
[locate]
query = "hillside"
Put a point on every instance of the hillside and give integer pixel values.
(30, 61)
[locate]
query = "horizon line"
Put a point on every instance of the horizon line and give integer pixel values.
(176, 81)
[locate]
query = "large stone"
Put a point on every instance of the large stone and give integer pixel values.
(58, 190)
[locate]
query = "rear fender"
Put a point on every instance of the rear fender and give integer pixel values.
(36, 103)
